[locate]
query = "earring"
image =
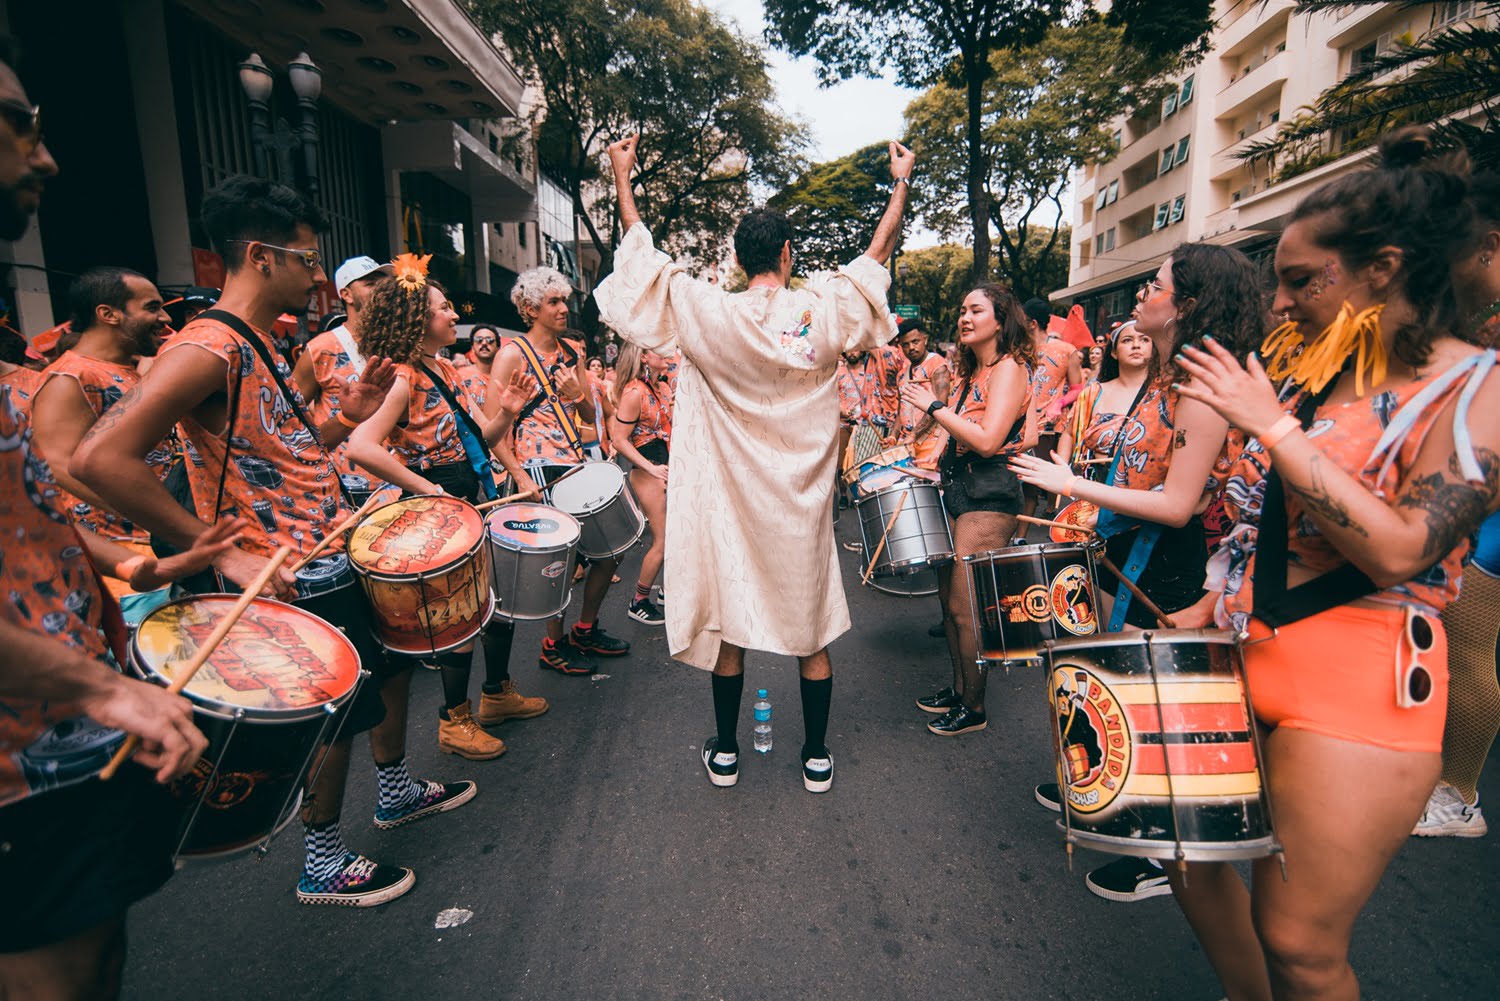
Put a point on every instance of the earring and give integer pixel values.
(1486, 259)
(265, 269)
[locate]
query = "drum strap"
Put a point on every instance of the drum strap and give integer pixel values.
(469, 434)
(1111, 524)
(549, 392)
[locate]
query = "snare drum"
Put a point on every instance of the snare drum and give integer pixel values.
(919, 539)
(1156, 746)
(881, 470)
(326, 588)
(922, 584)
(1027, 595)
(423, 564)
(268, 696)
(533, 549)
(610, 521)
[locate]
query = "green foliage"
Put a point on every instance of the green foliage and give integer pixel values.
(833, 207)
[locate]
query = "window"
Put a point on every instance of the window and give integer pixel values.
(500, 230)
(1114, 192)
(1109, 239)
(1187, 93)
(1101, 199)
(1275, 117)
(1448, 13)
(1182, 150)
(1162, 211)
(1168, 159)
(1099, 244)
(1363, 57)
(1169, 106)
(1177, 208)
(1083, 254)
(1119, 138)
(521, 233)
(1280, 48)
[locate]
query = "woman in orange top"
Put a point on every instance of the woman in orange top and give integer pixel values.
(411, 320)
(988, 418)
(642, 432)
(1364, 480)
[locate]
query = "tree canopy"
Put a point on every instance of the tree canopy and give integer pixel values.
(833, 207)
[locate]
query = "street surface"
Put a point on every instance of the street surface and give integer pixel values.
(598, 861)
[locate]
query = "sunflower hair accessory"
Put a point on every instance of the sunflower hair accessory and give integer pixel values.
(411, 271)
(1313, 366)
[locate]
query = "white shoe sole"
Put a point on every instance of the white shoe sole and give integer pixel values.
(1453, 829)
(646, 621)
(430, 811)
(1161, 890)
(959, 733)
(822, 785)
(721, 781)
(374, 899)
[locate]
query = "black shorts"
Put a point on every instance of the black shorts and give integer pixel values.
(654, 450)
(958, 502)
(456, 478)
(1173, 577)
(74, 858)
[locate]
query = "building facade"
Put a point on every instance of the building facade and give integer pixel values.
(1177, 177)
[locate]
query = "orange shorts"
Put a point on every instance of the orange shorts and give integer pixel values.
(1335, 674)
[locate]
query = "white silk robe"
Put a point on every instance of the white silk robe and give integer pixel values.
(750, 557)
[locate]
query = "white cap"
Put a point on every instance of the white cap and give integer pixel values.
(356, 268)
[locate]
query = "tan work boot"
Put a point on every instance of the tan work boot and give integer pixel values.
(508, 704)
(459, 734)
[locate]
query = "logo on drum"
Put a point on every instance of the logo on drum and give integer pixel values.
(1031, 605)
(1093, 737)
(536, 526)
(1072, 599)
(554, 570)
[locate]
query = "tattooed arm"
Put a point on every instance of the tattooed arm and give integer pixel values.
(60, 417)
(942, 385)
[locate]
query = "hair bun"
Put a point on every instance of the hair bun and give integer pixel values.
(1408, 147)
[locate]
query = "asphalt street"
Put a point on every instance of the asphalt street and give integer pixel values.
(598, 861)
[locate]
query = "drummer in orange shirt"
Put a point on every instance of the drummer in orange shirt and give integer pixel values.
(921, 432)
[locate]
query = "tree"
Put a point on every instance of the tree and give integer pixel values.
(697, 91)
(1452, 70)
(1047, 110)
(833, 207)
(952, 42)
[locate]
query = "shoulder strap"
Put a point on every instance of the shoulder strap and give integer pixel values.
(459, 411)
(539, 371)
(470, 435)
(346, 341)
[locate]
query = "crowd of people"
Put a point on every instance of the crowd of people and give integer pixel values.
(1346, 462)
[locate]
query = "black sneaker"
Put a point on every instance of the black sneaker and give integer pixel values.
(564, 658)
(938, 631)
(596, 641)
(723, 769)
(959, 719)
(1129, 878)
(361, 882)
(942, 701)
(437, 797)
(817, 773)
(1049, 795)
(646, 611)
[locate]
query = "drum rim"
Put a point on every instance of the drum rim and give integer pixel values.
(1033, 549)
(624, 486)
(1149, 637)
(1193, 851)
(468, 554)
(577, 528)
(910, 483)
(230, 710)
(360, 570)
(905, 568)
(623, 549)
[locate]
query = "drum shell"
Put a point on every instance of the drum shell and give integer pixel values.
(1027, 595)
(1174, 764)
(608, 528)
(333, 596)
(531, 582)
(920, 537)
(922, 584)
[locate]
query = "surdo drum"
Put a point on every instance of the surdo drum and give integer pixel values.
(610, 521)
(424, 566)
(919, 539)
(1027, 595)
(268, 696)
(1156, 747)
(533, 549)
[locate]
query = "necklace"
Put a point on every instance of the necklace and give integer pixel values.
(1488, 313)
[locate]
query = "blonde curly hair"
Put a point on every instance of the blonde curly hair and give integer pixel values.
(531, 290)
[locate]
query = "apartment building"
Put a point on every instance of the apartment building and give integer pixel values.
(1177, 178)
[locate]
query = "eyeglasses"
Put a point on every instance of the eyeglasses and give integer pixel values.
(310, 258)
(25, 120)
(1413, 680)
(1152, 286)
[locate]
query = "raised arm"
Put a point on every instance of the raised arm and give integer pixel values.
(622, 159)
(367, 443)
(883, 243)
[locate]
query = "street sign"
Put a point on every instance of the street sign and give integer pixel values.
(907, 311)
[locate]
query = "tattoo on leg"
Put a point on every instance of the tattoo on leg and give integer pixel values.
(1319, 502)
(1454, 507)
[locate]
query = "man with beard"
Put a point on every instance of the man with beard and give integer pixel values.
(918, 430)
(216, 380)
(117, 317)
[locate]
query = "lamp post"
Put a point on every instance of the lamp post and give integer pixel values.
(275, 138)
(902, 270)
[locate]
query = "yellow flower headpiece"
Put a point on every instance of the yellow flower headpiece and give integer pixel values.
(411, 271)
(1313, 366)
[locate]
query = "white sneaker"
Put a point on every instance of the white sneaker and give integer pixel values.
(817, 774)
(1448, 816)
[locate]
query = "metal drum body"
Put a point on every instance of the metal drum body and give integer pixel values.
(920, 538)
(609, 519)
(268, 696)
(1027, 595)
(922, 584)
(533, 550)
(1156, 746)
(424, 565)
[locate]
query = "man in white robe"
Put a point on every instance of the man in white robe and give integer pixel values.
(750, 557)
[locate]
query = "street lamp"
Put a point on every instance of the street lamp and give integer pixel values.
(277, 138)
(902, 270)
(307, 84)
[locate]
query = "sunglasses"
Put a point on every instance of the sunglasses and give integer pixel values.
(1154, 286)
(310, 258)
(1414, 682)
(25, 120)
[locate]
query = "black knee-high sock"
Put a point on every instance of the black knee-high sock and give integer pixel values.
(497, 638)
(727, 692)
(816, 696)
(455, 667)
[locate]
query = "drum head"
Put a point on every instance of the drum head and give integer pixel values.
(324, 574)
(523, 527)
(416, 536)
(589, 489)
(277, 660)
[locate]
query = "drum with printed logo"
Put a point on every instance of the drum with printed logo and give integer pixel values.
(533, 549)
(909, 516)
(609, 519)
(1157, 753)
(424, 566)
(1026, 595)
(269, 695)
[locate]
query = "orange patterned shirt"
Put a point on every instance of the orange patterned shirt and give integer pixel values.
(971, 406)
(50, 589)
(870, 389)
(104, 384)
(1150, 438)
(24, 382)
(655, 421)
(930, 448)
(428, 436)
(1050, 380)
(281, 477)
(540, 436)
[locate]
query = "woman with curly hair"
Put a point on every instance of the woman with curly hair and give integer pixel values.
(988, 418)
(411, 321)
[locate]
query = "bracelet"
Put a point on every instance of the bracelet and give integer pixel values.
(351, 425)
(127, 568)
(1067, 490)
(1276, 432)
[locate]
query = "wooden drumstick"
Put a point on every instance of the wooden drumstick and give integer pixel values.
(522, 495)
(205, 650)
(344, 526)
(1054, 524)
(880, 547)
(1147, 603)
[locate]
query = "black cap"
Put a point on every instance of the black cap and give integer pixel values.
(196, 294)
(1039, 310)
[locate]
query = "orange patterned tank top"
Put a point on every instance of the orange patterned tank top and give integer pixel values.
(428, 436)
(540, 436)
(23, 382)
(970, 404)
(1050, 381)
(655, 421)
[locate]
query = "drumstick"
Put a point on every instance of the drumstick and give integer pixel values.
(1150, 606)
(534, 491)
(205, 650)
(343, 527)
(875, 557)
(1093, 462)
(1054, 524)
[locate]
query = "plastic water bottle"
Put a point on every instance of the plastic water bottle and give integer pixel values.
(762, 722)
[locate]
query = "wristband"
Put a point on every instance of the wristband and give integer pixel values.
(1067, 490)
(351, 425)
(934, 407)
(901, 180)
(127, 568)
(1278, 431)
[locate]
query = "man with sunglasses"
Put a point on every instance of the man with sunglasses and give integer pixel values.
(215, 373)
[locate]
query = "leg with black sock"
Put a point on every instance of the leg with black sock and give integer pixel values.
(721, 751)
(817, 695)
(497, 639)
(455, 665)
